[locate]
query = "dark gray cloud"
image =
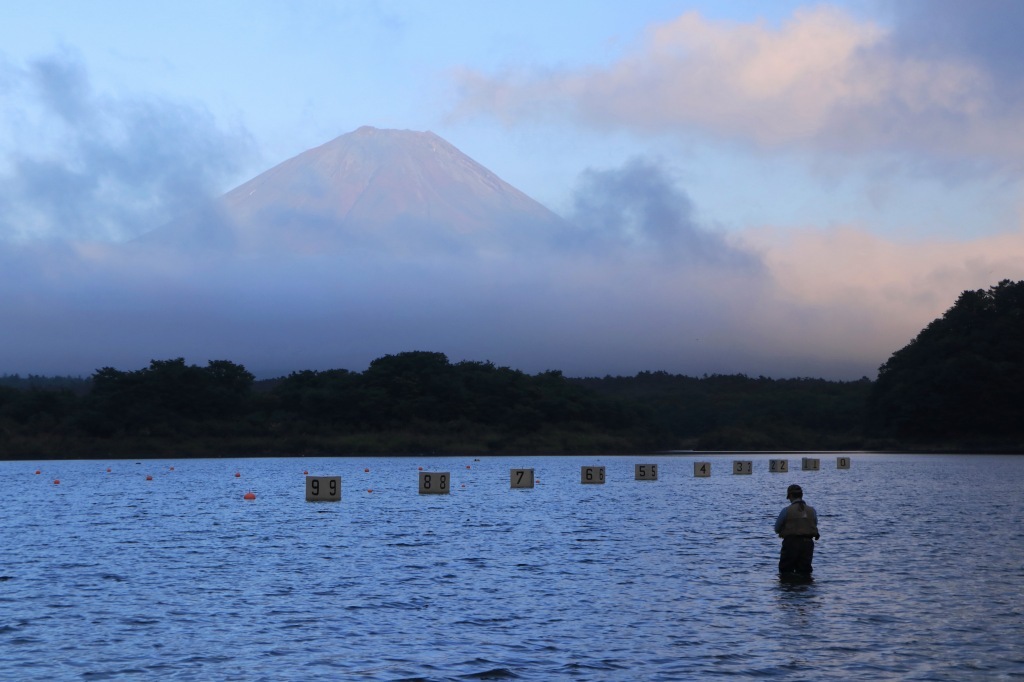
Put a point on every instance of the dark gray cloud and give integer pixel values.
(79, 164)
(985, 32)
(640, 207)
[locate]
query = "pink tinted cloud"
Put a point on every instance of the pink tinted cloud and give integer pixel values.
(860, 295)
(824, 80)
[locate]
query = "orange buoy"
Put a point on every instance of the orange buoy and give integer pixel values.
(249, 496)
(38, 471)
(148, 477)
(172, 468)
(467, 466)
(56, 481)
(306, 473)
(238, 474)
(369, 490)
(421, 469)
(108, 470)
(366, 470)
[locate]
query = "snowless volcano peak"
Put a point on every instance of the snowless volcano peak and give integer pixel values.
(376, 188)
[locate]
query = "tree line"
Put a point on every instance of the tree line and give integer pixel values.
(958, 384)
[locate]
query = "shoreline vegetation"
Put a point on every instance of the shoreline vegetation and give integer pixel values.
(957, 387)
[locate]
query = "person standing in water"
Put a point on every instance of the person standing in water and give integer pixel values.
(797, 525)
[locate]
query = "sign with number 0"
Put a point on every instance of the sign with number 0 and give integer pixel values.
(521, 478)
(435, 482)
(842, 462)
(323, 488)
(592, 474)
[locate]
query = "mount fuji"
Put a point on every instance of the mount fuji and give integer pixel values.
(396, 190)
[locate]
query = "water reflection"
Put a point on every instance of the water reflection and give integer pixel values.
(797, 601)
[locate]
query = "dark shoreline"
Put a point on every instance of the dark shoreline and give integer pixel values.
(523, 453)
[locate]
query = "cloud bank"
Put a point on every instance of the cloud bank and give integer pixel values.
(642, 286)
(823, 81)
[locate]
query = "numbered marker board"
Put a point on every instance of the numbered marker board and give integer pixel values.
(702, 469)
(744, 467)
(645, 472)
(435, 482)
(521, 478)
(810, 464)
(778, 466)
(592, 474)
(323, 488)
(842, 462)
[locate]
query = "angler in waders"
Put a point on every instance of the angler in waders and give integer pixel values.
(797, 525)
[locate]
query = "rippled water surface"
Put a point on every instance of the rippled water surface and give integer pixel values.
(919, 574)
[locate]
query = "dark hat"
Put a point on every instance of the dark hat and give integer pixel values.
(794, 492)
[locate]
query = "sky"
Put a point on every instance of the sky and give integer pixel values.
(782, 189)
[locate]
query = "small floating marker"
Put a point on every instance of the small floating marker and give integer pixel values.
(172, 468)
(305, 473)
(421, 468)
(238, 474)
(742, 467)
(369, 490)
(592, 475)
(778, 466)
(463, 485)
(108, 470)
(148, 477)
(366, 471)
(38, 471)
(810, 464)
(701, 469)
(521, 478)
(842, 462)
(249, 496)
(323, 488)
(56, 481)
(467, 466)
(434, 482)
(645, 472)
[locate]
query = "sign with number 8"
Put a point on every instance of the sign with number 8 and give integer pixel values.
(434, 482)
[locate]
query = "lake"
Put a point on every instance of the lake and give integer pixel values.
(919, 574)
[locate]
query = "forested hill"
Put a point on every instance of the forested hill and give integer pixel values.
(961, 379)
(736, 412)
(419, 402)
